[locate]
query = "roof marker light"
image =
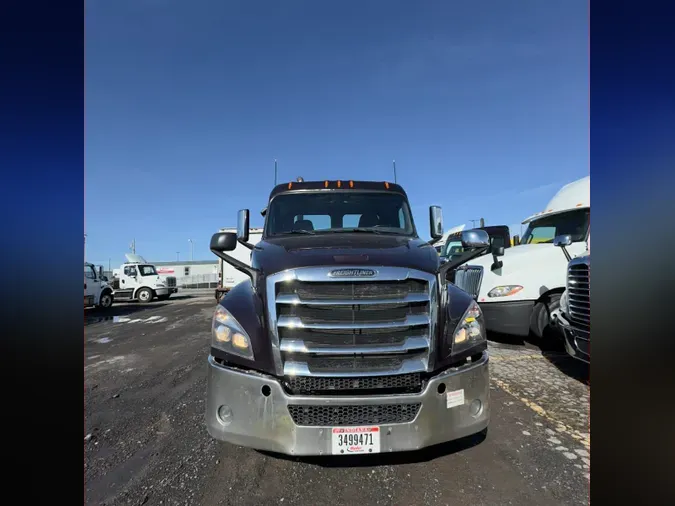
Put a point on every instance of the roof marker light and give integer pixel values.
(325, 184)
(339, 184)
(290, 185)
(386, 185)
(351, 184)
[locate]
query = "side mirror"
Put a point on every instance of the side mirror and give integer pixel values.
(475, 239)
(516, 240)
(435, 222)
(223, 241)
(562, 240)
(498, 251)
(243, 225)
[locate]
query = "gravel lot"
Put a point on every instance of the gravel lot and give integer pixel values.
(145, 440)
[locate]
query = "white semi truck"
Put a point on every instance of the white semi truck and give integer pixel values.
(519, 292)
(97, 292)
(228, 276)
(137, 279)
(574, 315)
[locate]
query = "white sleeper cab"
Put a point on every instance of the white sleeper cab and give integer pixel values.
(519, 294)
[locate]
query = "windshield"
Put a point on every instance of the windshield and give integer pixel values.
(452, 247)
(310, 213)
(147, 270)
(544, 230)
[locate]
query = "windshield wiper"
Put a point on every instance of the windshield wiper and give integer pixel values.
(370, 230)
(308, 232)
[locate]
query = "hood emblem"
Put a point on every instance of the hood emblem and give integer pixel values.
(352, 273)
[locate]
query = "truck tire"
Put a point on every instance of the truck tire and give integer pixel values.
(106, 300)
(145, 295)
(540, 323)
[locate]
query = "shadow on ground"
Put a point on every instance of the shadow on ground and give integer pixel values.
(388, 459)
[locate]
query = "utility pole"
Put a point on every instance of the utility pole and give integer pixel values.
(482, 223)
(473, 223)
(275, 172)
(132, 246)
(192, 251)
(394, 163)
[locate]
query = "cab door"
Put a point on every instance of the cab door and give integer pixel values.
(91, 286)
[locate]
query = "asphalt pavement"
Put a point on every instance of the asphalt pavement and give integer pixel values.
(146, 443)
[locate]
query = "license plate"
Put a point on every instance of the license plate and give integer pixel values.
(355, 440)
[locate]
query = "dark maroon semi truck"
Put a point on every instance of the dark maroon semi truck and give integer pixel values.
(348, 338)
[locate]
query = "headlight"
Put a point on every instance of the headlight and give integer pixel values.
(564, 303)
(229, 336)
(505, 290)
(470, 331)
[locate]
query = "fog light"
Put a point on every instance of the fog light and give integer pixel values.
(476, 407)
(225, 415)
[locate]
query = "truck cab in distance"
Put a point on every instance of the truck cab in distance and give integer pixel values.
(136, 279)
(347, 337)
(97, 292)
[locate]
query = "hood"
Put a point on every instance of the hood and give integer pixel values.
(277, 254)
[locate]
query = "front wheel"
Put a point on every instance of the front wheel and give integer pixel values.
(145, 295)
(542, 323)
(106, 300)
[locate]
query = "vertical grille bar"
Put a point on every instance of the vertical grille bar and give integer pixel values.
(469, 279)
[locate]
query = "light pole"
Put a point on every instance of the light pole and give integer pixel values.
(192, 251)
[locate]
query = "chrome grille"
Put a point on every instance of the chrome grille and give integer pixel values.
(579, 293)
(351, 327)
(468, 278)
(335, 416)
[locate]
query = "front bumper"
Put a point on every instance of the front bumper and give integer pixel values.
(166, 290)
(512, 317)
(577, 342)
(264, 422)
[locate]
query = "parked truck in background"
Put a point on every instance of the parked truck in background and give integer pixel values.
(347, 337)
(574, 314)
(519, 294)
(136, 279)
(499, 236)
(97, 292)
(228, 276)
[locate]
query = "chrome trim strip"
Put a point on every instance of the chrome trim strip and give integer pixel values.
(410, 344)
(411, 365)
(293, 322)
(408, 299)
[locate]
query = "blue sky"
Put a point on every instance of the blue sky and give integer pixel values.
(482, 103)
